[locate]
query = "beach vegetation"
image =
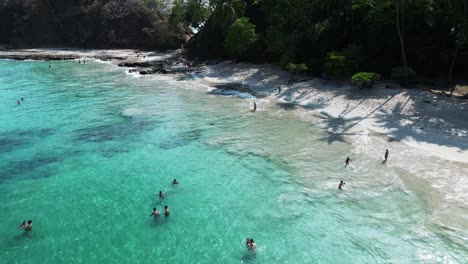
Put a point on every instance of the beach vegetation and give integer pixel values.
(401, 72)
(365, 79)
(297, 67)
(241, 35)
(341, 64)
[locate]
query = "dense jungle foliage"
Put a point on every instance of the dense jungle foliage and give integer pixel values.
(396, 39)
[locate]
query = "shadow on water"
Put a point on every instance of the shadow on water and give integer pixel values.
(248, 257)
(233, 89)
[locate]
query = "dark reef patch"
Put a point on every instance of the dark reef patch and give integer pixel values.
(12, 139)
(116, 131)
(181, 139)
(34, 168)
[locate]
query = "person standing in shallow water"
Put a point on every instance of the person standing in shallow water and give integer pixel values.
(254, 107)
(23, 225)
(155, 213)
(386, 155)
(26, 226)
(341, 185)
(166, 211)
(347, 161)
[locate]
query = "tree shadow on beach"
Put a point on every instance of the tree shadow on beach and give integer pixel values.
(415, 114)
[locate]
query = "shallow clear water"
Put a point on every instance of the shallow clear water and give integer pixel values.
(90, 147)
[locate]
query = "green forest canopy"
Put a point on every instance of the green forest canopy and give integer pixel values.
(394, 38)
(340, 37)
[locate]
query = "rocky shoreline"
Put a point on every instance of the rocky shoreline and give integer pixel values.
(142, 62)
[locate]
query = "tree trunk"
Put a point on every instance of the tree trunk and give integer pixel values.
(352, 21)
(459, 46)
(398, 4)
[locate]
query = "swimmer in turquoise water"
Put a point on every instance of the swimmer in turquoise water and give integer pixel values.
(161, 194)
(250, 244)
(175, 181)
(155, 213)
(19, 102)
(23, 225)
(28, 226)
(166, 211)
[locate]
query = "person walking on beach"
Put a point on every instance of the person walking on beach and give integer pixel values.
(155, 213)
(341, 185)
(347, 161)
(386, 155)
(166, 211)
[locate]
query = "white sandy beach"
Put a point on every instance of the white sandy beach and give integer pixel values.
(415, 117)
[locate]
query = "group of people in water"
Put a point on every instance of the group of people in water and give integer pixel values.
(347, 160)
(19, 102)
(26, 226)
(250, 244)
(156, 212)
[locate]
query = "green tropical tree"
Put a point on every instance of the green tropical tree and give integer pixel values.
(241, 35)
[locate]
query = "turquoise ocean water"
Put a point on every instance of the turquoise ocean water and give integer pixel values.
(89, 148)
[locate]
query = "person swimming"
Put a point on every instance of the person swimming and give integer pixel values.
(19, 103)
(341, 185)
(23, 225)
(28, 226)
(166, 211)
(50, 66)
(250, 244)
(22, 99)
(175, 181)
(386, 155)
(161, 194)
(347, 161)
(155, 213)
